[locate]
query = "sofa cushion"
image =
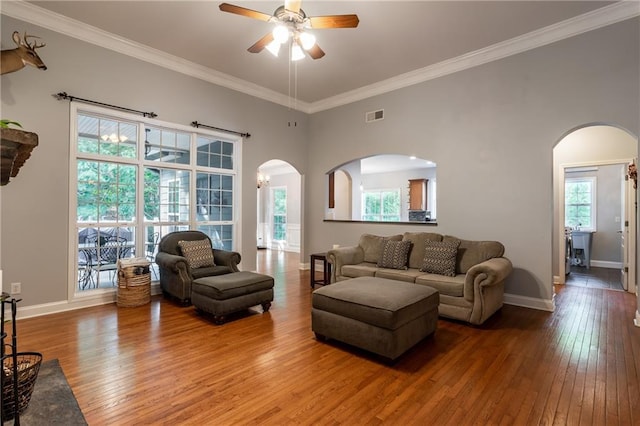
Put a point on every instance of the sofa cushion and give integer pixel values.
(470, 253)
(359, 270)
(198, 253)
(416, 255)
(394, 254)
(408, 275)
(447, 286)
(209, 271)
(440, 257)
(372, 246)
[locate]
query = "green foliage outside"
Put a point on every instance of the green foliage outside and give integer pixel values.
(577, 196)
(107, 191)
(280, 214)
(382, 206)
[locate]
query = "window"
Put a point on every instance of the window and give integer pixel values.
(215, 208)
(579, 203)
(279, 196)
(381, 205)
(176, 180)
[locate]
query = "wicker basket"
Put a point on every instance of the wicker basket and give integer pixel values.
(28, 367)
(134, 285)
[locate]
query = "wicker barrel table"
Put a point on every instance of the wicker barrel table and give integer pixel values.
(134, 282)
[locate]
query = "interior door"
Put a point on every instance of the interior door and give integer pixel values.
(624, 232)
(627, 234)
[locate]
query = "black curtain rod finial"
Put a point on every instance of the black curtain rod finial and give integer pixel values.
(63, 95)
(197, 125)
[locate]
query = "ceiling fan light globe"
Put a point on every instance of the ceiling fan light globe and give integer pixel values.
(307, 40)
(296, 52)
(280, 34)
(273, 48)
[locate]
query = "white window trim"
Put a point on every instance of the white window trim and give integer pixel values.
(379, 190)
(594, 200)
(105, 295)
(272, 213)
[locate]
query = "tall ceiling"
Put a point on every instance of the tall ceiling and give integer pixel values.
(392, 39)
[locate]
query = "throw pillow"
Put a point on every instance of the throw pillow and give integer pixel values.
(198, 253)
(394, 254)
(440, 257)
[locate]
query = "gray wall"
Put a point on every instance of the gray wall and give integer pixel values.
(491, 131)
(35, 205)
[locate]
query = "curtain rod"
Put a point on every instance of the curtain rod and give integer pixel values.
(64, 95)
(196, 125)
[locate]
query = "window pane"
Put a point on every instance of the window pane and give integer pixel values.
(214, 204)
(221, 235)
(381, 206)
(166, 195)
(106, 136)
(279, 196)
(167, 146)
(579, 209)
(214, 153)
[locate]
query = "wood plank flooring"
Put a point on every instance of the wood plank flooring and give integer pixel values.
(165, 364)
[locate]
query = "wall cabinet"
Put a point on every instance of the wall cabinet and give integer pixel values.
(418, 194)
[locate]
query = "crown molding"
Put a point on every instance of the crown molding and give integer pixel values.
(27, 12)
(593, 20)
(599, 18)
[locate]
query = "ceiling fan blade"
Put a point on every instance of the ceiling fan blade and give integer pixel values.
(334, 21)
(261, 44)
(315, 52)
(292, 5)
(226, 7)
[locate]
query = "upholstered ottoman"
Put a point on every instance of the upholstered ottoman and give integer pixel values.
(221, 295)
(383, 316)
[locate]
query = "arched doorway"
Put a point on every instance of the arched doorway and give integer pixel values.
(595, 157)
(279, 207)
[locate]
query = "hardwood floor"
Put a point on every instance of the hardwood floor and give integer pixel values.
(164, 364)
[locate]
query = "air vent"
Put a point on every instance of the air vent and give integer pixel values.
(372, 116)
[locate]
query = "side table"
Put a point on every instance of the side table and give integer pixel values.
(326, 276)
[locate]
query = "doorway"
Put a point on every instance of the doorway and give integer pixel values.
(598, 154)
(279, 206)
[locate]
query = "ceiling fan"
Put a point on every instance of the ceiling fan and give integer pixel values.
(292, 22)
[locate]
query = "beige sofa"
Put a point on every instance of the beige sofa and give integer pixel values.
(472, 295)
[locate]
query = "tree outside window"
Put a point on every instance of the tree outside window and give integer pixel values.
(279, 214)
(579, 199)
(381, 205)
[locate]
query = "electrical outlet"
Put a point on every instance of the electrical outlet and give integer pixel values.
(16, 288)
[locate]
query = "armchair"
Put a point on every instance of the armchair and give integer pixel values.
(176, 276)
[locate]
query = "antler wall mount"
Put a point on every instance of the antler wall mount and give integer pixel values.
(25, 54)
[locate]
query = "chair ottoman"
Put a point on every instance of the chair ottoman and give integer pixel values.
(383, 316)
(221, 295)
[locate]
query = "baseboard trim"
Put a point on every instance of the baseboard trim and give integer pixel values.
(110, 297)
(304, 266)
(79, 302)
(530, 302)
(606, 264)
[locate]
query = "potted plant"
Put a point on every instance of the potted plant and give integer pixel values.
(16, 147)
